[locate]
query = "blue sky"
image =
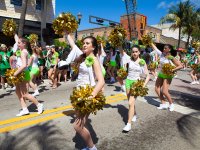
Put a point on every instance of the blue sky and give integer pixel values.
(113, 9)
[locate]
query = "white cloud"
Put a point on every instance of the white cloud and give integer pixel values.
(164, 5)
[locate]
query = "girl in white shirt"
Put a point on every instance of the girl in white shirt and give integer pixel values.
(86, 76)
(163, 81)
(135, 69)
(112, 66)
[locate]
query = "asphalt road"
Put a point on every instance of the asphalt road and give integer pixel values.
(154, 129)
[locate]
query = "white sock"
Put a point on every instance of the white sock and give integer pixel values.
(93, 148)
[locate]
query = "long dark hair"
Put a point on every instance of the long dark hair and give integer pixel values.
(27, 44)
(173, 52)
(82, 57)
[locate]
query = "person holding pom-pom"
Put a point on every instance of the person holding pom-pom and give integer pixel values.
(88, 68)
(168, 63)
(136, 67)
(22, 87)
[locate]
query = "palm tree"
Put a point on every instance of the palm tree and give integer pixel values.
(22, 18)
(43, 20)
(176, 16)
(192, 17)
(196, 32)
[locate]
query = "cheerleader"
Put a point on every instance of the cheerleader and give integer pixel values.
(154, 60)
(136, 67)
(194, 73)
(163, 81)
(112, 66)
(101, 56)
(34, 70)
(22, 87)
(124, 59)
(86, 76)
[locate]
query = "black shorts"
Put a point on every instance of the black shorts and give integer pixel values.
(64, 67)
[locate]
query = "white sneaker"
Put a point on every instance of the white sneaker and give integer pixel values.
(127, 127)
(23, 112)
(14, 88)
(123, 88)
(40, 108)
(154, 79)
(36, 93)
(193, 82)
(171, 107)
(134, 119)
(163, 106)
(197, 82)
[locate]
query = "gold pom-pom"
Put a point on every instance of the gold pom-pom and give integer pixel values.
(33, 38)
(83, 102)
(137, 89)
(75, 68)
(65, 21)
(167, 69)
(147, 40)
(117, 36)
(196, 44)
(122, 73)
(152, 65)
(195, 67)
(101, 40)
(9, 27)
(11, 79)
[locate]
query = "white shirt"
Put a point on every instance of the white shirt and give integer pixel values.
(134, 70)
(86, 75)
(124, 59)
(35, 61)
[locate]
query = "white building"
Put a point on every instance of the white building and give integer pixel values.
(169, 33)
(39, 16)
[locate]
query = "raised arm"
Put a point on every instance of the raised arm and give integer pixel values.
(102, 50)
(69, 39)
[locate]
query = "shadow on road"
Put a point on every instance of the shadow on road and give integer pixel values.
(188, 127)
(151, 100)
(42, 137)
(122, 110)
(186, 99)
(77, 139)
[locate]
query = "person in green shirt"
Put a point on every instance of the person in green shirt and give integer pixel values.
(52, 73)
(4, 63)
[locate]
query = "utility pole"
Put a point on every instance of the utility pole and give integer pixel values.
(131, 7)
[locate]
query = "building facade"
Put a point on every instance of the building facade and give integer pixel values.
(39, 16)
(141, 28)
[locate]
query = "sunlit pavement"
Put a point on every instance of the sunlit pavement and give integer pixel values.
(155, 129)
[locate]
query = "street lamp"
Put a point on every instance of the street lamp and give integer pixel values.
(79, 21)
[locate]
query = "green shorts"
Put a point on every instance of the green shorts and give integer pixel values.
(113, 63)
(27, 76)
(103, 71)
(129, 83)
(164, 76)
(2, 72)
(34, 71)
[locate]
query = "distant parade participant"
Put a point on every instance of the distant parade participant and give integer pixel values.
(101, 56)
(135, 69)
(154, 60)
(34, 70)
(22, 87)
(112, 65)
(124, 59)
(193, 73)
(4, 64)
(41, 63)
(86, 76)
(52, 74)
(163, 81)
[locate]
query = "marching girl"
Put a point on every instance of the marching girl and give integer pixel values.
(22, 87)
(85, 77)
(41, 63)
(52, 74)
(113, 64)
(193, 73)
(124, 59)
(136, 67)
(154, 59)
(163, 81)
(33, 65)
